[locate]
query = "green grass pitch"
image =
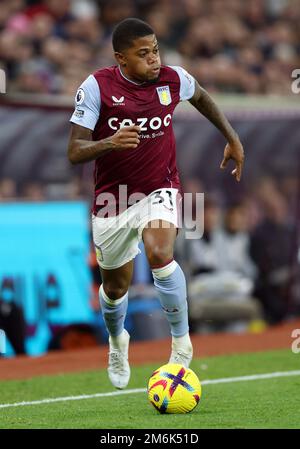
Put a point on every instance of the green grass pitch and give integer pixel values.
(264, 403)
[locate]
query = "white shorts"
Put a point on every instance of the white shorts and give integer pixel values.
(116, 239)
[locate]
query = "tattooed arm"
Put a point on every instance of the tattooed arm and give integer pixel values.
(234, 149)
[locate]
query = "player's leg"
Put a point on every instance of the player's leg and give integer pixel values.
(116, 245)
(159, 238)
(113, 296)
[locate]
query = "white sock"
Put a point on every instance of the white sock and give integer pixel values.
(167, 270)
(117, 342)
(183, 342)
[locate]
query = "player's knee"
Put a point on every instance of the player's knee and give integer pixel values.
(115, 291)
(159, 256)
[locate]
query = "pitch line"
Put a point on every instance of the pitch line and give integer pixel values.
(143, 390)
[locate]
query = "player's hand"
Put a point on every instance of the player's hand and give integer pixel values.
(126, 137)
(234, 151)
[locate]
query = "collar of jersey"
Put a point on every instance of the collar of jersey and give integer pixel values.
(130, 81)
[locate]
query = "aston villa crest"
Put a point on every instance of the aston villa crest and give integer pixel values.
(164, 95)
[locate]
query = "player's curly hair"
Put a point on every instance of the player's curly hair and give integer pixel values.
(127, 31)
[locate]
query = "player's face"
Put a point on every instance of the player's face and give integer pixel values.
(141, 62)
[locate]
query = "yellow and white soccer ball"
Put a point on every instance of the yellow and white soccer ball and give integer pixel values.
(172, 388)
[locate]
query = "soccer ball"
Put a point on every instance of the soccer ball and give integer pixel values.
(172, 388)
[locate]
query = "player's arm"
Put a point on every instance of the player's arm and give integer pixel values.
(82, 148)
(202, 101)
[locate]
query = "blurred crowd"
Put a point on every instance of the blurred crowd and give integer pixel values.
(246, 265)
(243, 268)
(74, 189)
(247, 262)
(237, 46)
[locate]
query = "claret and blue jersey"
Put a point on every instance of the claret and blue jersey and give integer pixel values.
(107, 101)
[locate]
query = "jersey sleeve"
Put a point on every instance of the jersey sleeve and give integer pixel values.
(187, 83)
(87, 104)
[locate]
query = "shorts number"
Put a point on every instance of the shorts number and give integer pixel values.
(161, 199)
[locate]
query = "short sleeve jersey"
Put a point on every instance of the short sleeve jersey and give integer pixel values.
(107, 101)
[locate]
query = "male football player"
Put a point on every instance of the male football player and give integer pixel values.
(123, 121)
